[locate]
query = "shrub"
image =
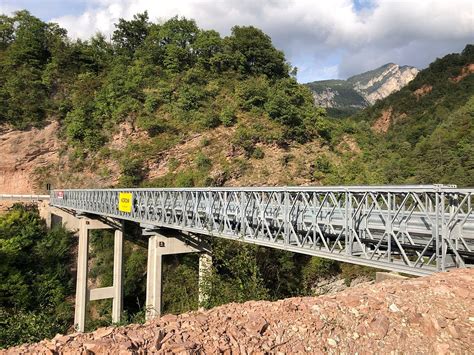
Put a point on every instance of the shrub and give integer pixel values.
(228, 117)
(132, 172)
(258, 153)
(203, 162)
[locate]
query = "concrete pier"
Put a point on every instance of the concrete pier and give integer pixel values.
(83, 293)
(167, 243)
(205, 265)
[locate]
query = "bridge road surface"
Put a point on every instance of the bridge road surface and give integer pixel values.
(416, 229)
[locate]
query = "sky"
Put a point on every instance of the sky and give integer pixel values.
(324, 39)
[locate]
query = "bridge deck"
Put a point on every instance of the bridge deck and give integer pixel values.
(412, 229)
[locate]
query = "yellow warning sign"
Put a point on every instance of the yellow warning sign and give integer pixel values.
(125, 202)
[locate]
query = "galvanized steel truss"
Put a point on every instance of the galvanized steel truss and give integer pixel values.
(412, 229)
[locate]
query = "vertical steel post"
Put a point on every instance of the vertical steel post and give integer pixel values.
(436, 232)
(315, 217)
(388, 227)
(286, 217)
(242, 213)
(444, 232)
(351, 225)
(347, 201)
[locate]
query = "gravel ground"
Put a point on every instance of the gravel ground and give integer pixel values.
(432, 314)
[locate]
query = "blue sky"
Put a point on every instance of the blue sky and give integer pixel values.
(324, 39)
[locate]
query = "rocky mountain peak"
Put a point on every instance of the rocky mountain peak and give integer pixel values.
(381, 82)
(344, 97)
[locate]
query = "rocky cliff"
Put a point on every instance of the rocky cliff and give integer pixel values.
(344, 97)
(379, 83)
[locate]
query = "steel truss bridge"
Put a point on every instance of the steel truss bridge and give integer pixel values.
(412, 229)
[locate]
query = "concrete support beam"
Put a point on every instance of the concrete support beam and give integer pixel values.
(205, 265)
(117, 303)
(101, 293)
(81, 282)
(153, 279)
(83, 293)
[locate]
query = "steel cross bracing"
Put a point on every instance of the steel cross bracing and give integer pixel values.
(412, 229)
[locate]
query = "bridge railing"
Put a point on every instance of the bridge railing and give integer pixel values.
(413, 229)
(23, 198)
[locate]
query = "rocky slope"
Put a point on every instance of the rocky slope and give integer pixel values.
(362, 90)
(424, 315)
(30, 159)
(22, 152)
(381, 82)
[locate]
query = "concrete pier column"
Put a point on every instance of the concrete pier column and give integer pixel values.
(83, 293)
(205, 265)
(117, 302)
(153, 279)
(81, 282)
(167, 242)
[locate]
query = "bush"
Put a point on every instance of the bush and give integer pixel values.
(318, 268)
(132, 172)
(258, 153)
(228, 117)
(203, 162)
(36, 279)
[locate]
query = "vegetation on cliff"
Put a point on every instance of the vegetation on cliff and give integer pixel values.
(168, 79)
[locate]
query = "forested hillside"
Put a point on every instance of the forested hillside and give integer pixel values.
(166, 82)
(36, 277)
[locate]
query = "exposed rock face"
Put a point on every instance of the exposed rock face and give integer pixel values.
(30, 159)
(431, 315)
(361, 90)
(382, 124)
(379, 83)
(22, 152)
(326, 98)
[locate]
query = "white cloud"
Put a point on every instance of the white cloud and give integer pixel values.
(310, 32)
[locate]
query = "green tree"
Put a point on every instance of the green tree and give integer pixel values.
(36, 278)
(256, 53)
(129, 35)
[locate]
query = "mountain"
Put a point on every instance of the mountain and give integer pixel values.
(422, 134)
(345, 97)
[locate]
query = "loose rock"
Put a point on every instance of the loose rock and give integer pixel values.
(422, 316)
